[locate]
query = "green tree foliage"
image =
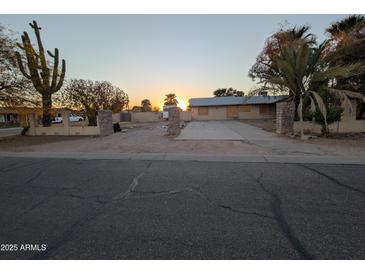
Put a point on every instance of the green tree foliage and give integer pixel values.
(156, 109)
(146, 105)
(334, 114)
(303, 72)
(295, 64)
(170, 99)
(37, 68)
(92, 96)
(263, 69)
(228, 92)
(346, 46)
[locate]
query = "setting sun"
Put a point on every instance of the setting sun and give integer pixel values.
(182, 103)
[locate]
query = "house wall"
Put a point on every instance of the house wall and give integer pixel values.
(254, 112)
(185, 115)
(214, 113)
(220, 113)
(9, 118)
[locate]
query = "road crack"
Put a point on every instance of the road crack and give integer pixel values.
(282, 222)
(198, 192)
(333, 180)
(132, 186)
(69, 233)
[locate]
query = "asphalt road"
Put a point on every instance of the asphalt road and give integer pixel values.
(129, 209)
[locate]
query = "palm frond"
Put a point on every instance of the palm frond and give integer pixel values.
(349, 93)
(312, 105)
(321, 106)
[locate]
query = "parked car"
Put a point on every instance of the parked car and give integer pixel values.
(76, 118)
(72, 118)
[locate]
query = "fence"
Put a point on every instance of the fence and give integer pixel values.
(146, 117)
(104, 126)
(346, 126)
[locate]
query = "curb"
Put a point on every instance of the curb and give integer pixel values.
(289, 159)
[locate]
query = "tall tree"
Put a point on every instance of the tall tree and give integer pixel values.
(347, 45)
(303, 72)
(263, 69)
(170, 99)
(146, 105)
(37, 68)
(15, 89)
(92, 96)
(221, 92)
(156, 109)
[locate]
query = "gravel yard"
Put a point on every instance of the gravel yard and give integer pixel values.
(140, 138)
(152, 138)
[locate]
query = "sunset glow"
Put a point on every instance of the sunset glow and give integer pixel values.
(182, 103)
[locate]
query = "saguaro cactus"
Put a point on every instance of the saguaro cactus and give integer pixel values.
(45, 80)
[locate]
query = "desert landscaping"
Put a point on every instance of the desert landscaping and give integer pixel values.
(153, 138)
(173, 137)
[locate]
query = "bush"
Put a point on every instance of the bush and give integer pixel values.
(334, 114)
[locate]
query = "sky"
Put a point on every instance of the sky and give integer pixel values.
(149, 56)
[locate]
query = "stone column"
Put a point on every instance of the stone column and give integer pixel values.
(66, 121)
(174, 121)
(32, 124)
(285, 113)
(23, 120)
(105, 122)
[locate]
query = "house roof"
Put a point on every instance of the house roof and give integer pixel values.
(23, 110)
(232, 100)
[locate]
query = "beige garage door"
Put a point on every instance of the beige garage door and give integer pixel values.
(232, 112)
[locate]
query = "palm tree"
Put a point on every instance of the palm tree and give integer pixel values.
(146, 105)
(348, 29)
(295, 36)
(347, 45)
(302, 71)
(170, 99)
(221, 92)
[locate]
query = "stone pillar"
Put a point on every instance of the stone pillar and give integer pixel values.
(66, 121)
(32, 124)
(285, 113)
(174, 121)
(105, 122)
(23, 120)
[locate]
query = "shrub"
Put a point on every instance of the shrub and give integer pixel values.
(334, 114)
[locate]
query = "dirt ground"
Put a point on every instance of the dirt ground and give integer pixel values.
(152, 138)
(140, 138)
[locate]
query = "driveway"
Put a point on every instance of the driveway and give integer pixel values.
(240, 131)
(127, 209)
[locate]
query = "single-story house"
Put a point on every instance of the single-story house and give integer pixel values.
(15, 115)
(231, 107)
(18, 115)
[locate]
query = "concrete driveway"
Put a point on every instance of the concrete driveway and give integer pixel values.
(211, 130)
(238, 130)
